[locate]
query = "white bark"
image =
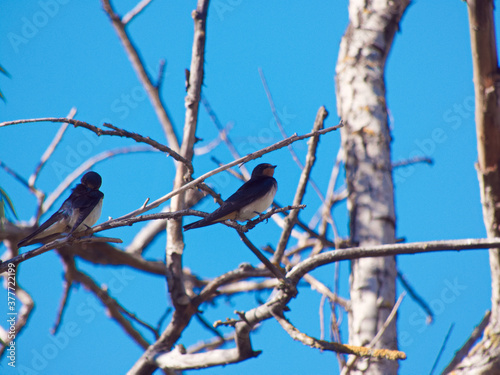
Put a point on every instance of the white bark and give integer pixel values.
(366, 141)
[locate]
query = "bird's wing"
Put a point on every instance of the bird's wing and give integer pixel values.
(83, 206)
(57, 223)
(249, 192)
(246, 194)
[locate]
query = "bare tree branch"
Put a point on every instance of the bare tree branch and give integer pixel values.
(214, 343)
(113, 307)
(283, 133)
(441, 350)
(175, 239)
(466, 348)
(244, 159)
(115, 132)
(133, 260)
(145, 236)
(276, 304)
(325, 241)
(56, 244)
(38, 193)
(177, 360)
(291, 218)
(50, 150)
(69, 266)
(135, 11)
(415, 160)
(205, 149)
(139, 67)
(359, 351)
(248, 286)
(414, 295)
(223, 134)
(330, 199)
(484, 358)
(271, 267)
(352, 361)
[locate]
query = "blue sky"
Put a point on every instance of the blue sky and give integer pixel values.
(64, 54)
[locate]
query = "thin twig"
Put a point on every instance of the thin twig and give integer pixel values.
(223, 134)
(416, 297)
(335, 331)
(248, 286)
(113, 307)
(465, 349)
(320, 287)
(145, 236)
(352, 361)
(308, 264)
(243, 272)
(322, 317)
(163, 317)
(118, 132)
(325, 241)
(325, 291)
(291, 218)
(120, 222)
(388, 321)
(244, 159)
(134, 317)
(441, 350)
(135, 11)
(214, 343)
(415, 160)
(334, 346)
(209, 326)
(69, 265)
(50, 150)
(325, 209)
(56, 244)
(283, 133)
(271, 267)
(21, 179)
(207, 148)
(161, 74)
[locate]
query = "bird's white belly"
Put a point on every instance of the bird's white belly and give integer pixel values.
(257, 207)
(90, 220)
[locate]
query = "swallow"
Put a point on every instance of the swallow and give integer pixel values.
(80, 211)
(251, 199)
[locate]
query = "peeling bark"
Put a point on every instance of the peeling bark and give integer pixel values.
(366, 141)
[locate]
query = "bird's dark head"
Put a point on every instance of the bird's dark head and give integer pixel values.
(263, 169)
(92, 180)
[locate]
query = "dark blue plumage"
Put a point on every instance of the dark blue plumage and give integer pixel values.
(81, 210)
(252, 198)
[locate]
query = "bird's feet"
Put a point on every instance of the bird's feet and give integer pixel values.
(261, 215)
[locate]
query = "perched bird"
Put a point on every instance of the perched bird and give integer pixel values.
(80, 211)
(251, 199)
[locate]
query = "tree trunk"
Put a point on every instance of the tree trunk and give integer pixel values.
(484, 358)
(366, 143)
